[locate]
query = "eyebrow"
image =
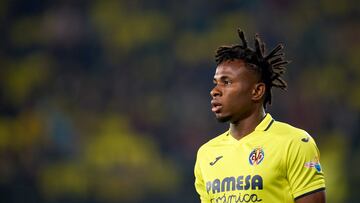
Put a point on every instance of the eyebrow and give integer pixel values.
(222, 78)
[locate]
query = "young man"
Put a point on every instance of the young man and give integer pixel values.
(258, 159)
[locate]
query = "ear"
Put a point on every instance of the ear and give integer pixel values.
(258, 91)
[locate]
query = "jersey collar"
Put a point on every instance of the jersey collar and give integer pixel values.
(265, 124)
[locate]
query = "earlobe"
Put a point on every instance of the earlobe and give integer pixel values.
(258, 91)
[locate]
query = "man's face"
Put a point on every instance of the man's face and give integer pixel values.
(233, 91)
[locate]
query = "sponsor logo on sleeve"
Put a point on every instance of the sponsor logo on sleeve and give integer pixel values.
(313, 164)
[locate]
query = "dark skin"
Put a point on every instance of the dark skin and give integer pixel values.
(238, 97)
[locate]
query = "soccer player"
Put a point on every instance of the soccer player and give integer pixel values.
(258, 159)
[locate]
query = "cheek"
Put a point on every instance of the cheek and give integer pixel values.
(241, 98)
(243, 92)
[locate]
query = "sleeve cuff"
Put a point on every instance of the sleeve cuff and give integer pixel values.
(308, 191)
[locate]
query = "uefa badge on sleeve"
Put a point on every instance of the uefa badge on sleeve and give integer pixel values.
(256, 156)
(314, 164)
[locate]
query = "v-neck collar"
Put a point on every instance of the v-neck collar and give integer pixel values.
(264, 125)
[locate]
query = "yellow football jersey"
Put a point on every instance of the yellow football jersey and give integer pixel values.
(276, 163)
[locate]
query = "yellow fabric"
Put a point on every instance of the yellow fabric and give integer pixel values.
(274, 163)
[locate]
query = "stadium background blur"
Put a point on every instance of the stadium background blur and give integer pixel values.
(108, 101)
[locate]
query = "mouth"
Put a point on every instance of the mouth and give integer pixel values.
(216, 106)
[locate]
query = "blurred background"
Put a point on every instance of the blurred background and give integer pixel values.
(108, 101)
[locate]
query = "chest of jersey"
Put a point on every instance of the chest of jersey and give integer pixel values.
(247, 171)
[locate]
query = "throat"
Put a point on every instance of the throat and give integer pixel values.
(239, 132)
(245, 126)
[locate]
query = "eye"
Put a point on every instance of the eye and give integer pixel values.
(227, 82)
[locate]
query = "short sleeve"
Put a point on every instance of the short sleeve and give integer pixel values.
(199, 183)
(304, 171)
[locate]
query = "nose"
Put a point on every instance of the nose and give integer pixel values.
(215, 92)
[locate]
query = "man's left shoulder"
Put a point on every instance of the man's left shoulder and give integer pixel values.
(289, 132)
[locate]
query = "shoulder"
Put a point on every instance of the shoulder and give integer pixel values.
(287, 132)
(295, 142)
(218, 141)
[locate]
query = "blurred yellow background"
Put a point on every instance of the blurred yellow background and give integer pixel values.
(108, 101)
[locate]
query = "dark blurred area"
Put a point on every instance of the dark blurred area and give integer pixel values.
(108, 101)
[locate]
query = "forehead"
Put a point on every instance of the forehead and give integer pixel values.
(235, 68)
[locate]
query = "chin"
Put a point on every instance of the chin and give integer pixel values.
(223, 119)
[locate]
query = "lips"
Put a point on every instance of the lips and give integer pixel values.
(216, 106)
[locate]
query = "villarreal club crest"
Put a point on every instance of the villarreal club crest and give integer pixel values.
(256, 156)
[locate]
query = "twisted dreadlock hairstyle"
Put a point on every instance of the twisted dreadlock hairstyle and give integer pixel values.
(270, 67)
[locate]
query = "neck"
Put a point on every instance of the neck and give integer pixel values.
(246, 125)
